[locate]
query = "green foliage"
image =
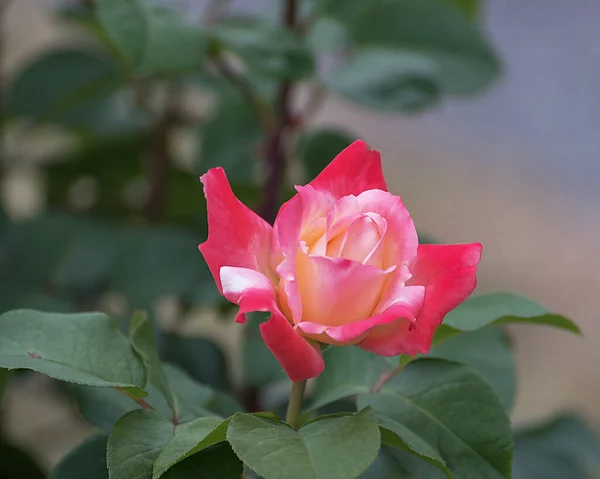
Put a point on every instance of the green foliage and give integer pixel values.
(86, 460)
(267, 48)
(260, 366)
(74, 88)
(85, 348)
(451, 409)
(5, 376)
(317, 148)
(562, 447)
(135, 443)
(349, 371)
(339, 447)
(217, 462)
(153, 38)
(501, 308)
(488, 352)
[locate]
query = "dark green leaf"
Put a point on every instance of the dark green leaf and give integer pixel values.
(216, 462)
(190, 438)
(316, 149)
(329, 448)
(503, 308)
(16, 464)
(86, 460)
(348, 372)
(84, 348)
(488, 352)
(260, 366)
(398, 81)
(465, 60)
(153, 38)
(387, 466)
(564, 447)
(454, 411)
(201, 358)
(71, 87)
(5, 376)
(141, 336)
(234, 118)
(135, 443)
(471, 7)
(267, 48)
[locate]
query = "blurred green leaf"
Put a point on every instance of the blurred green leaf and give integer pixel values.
(488, 352)
(84, 348)
(231, 139)
(159, 262)
(471, 7)
(260, 366)
(348, 372)
(335, 446)
(316, 149)
(75, 88)
(454, 411)
(503, 308)
(201, 358)
(16, 464)
(387, 466)
(141, 336)
(154, 38)
(5, 375)
(465, 60)
(135, 443)
(86, 460)
(398, 81)
(216, 462)
(564, 447)
(267, 48)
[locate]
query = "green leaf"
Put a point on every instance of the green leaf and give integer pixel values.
(339, 447)
(141, 336)
(16, 464)
(348, 372)
(84, 348)
(454, 411)
(154, 39)
(135, 443)
(86, 460)
(471, 7)
(260, 366)
(397, 81)
(387, 466)
(234, 118)
(103, 407)
(190, 438)
(488, 352)
(503, 308)
(5, 376)
(465, 60)
(267, 48)
(74, 88)
(201, 358)
(564, 447)
(217, 462)
(316, 149)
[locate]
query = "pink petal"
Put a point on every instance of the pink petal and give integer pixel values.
(448, 273)
(337, 291)
(354, 170)
(253, 291)
(300, 358)
(401, 240)
(236, 235)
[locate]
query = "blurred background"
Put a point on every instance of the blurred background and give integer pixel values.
(514, 166)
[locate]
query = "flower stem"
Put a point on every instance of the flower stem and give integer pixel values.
(295, 405)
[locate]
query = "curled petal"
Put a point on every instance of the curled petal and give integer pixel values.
(401, 240)
(236, 235)
(253, 291)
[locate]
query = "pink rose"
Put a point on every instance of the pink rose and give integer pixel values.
(341, 265)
